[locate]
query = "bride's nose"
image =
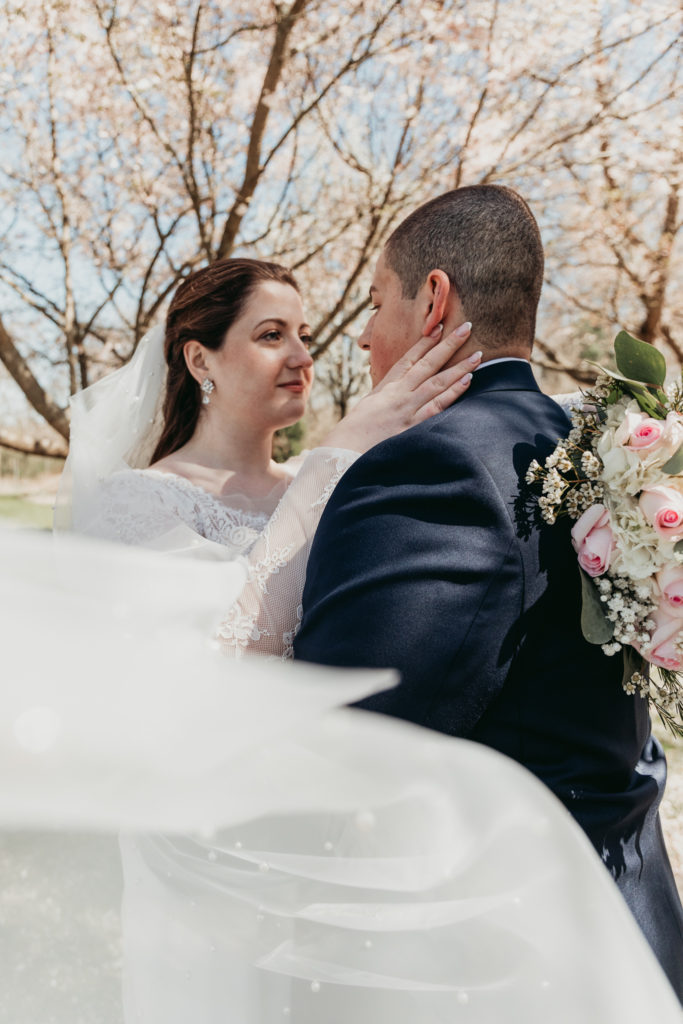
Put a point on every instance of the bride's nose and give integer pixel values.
(298, 355)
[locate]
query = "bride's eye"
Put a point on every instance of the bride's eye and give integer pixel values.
(307, 339)
(271, 336)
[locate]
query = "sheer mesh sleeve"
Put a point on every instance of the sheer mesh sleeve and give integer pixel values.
(265, 618)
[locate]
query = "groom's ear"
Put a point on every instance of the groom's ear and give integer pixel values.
(434, 296)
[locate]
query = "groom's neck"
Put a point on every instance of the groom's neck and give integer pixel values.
(490, 352)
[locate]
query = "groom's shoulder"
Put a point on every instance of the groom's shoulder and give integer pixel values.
(484, 418)
(480, 433)
(505, 410)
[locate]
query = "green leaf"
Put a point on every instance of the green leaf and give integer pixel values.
(595, 626)
(674, 464)
(646, 397)
(639, 361)
(678, 551)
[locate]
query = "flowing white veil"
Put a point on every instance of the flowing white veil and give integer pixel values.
(115, 424)
(318, 865)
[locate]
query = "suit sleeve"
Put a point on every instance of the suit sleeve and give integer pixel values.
(416, 566)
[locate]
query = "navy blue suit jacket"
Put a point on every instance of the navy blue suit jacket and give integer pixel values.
(431, 558)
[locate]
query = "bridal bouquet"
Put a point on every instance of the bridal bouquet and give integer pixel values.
(619, 475)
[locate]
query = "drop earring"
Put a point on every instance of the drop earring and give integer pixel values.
(206, 386)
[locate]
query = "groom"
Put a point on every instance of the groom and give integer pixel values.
(430, 558)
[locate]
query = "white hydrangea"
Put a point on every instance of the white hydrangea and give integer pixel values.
(638, 553)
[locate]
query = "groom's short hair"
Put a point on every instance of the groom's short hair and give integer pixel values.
(486, 239)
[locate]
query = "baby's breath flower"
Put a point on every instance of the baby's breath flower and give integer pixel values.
(591, 465)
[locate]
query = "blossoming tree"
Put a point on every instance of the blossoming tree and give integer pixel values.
(144, 139)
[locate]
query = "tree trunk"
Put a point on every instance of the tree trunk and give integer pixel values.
(36, 395)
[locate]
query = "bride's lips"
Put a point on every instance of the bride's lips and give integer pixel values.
(297, 386)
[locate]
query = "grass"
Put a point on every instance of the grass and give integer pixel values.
(25, 513)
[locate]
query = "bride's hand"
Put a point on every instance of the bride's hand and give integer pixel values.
(415, 388)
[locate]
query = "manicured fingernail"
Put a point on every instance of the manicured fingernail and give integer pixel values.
(463, 330)
(436, 331)
(476, 357)
(466, 379)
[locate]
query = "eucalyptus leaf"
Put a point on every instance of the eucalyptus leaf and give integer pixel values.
(674, 466)
(639, 361)
(645, 396)
(595, 626)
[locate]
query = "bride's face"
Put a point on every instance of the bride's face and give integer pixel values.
(263, 371)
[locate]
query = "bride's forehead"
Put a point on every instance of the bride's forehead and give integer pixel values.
(281, 300)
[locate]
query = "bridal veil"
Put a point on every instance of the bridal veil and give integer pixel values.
(286, 860)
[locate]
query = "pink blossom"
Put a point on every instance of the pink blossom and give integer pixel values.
(663, 509)
(670, 582)
(593, 540)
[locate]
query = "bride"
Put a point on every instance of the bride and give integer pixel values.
(174, 451)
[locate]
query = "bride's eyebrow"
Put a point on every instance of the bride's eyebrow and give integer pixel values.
(272, 320)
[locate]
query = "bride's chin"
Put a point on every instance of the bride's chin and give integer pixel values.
(295, 411)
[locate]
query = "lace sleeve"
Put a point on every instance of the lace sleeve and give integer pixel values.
(569, 400)
(265, 618)
(128, 508)
(142, 510)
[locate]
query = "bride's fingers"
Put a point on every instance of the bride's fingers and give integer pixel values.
(442, 389)
(427, 356)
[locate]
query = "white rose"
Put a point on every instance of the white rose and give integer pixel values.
(622, 466)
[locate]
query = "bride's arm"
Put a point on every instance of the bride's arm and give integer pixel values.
(569, 401)
(265, 618)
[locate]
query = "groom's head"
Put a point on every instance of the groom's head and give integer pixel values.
(471, 254)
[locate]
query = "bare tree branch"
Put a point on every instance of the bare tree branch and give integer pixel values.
(253, 170)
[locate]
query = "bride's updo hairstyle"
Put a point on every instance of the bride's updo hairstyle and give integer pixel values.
(203, 308)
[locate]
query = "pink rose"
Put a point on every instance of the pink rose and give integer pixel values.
(593, 540)
(663, 509)
(661, 649)
(640, 432)
(643, 434)
(670, 582)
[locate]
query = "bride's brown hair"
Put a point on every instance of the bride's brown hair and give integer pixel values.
(203, 308)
